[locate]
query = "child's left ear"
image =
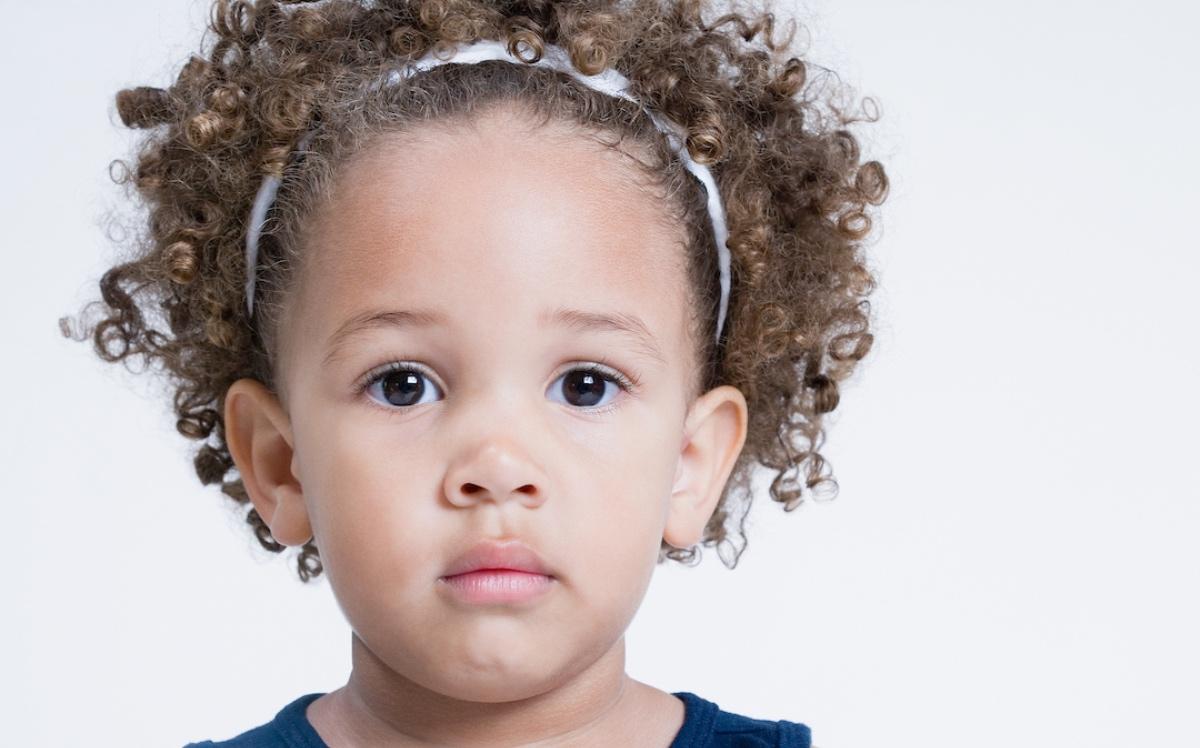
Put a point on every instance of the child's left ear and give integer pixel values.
(714, 433)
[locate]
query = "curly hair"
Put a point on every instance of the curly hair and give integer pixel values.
(787, 167)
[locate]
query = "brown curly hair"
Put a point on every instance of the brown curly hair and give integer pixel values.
(787, 167)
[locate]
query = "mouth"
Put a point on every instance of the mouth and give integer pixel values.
(489, 586)
(498, 572)
(496, 556)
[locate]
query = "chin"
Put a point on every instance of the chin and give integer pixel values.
(494, 688)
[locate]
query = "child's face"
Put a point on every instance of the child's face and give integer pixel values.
(495, 233)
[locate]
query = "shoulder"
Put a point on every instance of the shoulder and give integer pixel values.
(706, 724)
(289, 728)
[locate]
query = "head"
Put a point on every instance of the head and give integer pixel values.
(469, 411)
(496, 197)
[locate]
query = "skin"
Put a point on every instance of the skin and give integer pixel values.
(489, 224)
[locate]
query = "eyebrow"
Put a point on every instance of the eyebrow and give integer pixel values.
(629, 325)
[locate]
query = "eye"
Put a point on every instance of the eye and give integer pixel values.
(585, 386)
(398, 385)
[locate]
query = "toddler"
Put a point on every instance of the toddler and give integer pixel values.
(489, 308)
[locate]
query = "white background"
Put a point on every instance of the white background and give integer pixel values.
(1013, 559)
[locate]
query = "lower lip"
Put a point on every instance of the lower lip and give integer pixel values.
(498, 586)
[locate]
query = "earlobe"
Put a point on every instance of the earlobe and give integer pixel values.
(258, 433)
(714, 434)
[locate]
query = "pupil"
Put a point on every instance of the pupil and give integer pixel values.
(586, 384)
(402, 388)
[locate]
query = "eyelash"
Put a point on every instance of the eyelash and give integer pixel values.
(602, 368)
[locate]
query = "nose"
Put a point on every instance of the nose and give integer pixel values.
(496, 471)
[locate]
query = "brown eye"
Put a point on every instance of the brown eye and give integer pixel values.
(400, 386)
(584, 388)
(587, 387)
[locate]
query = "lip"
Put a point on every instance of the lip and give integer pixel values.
(491, 586)
(493, 555)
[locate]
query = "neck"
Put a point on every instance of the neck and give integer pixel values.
(379, 706)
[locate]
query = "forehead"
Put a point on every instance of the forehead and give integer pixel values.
(493, 224)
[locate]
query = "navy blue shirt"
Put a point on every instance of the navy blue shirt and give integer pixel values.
(704, 726)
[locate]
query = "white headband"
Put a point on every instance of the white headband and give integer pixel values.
(608, 81)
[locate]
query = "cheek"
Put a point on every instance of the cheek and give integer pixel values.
(620, 511)
(370, 508)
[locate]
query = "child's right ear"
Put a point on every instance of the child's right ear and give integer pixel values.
(259, 435)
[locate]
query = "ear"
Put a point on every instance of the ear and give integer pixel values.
(714, 433)
(259, 435)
